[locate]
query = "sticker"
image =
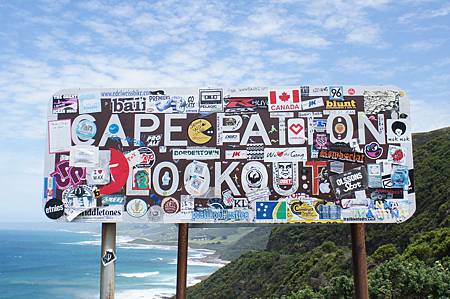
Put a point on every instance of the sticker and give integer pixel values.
(86, 129)
(312, 103)
(128, 105)
(284, 100)
(170, 205)
(80, 197)
(303, 209)
(113, 200)
(329, 212)
(373, 150)
(338, 155)
(319, 125)
(112, 213)
(255, 151)
(376, 101)
(200, 131)
(292, 154)
(349, 182)
(236, 154)
(271, 210)
(171, 104)
(241, 203)
(231, 137)
(89, 103)
(59, 136)
(400, 177)
(239, 105)
(154, 140)
(187, 203)
(65, 105)
(196, 154)
(253, 176)
(211, 100)
(84, 156)
(398, 131)
(285, 178)
(49, 188)
(109, 257)
(296, 130)
(337, 166)
(137, 207)
(155, 214)
(396, 155)
(374, 173)
(319, 91)
(141, 179)
(66, 175)
(119, 170)
(321, 141)
(148, 157)
(196, 179)
(99, 175)
(260, 194)
(54, 208)
(336, 93)
(340, 105)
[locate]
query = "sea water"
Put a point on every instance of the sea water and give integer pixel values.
(64, 264)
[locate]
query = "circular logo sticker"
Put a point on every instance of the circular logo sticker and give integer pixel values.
(200, 131)
(170, 205)
(113, 128)
(86, 129)
(54, 208)
(137, 208)
(148, 157)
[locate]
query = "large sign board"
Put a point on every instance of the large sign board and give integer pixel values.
(291, 154)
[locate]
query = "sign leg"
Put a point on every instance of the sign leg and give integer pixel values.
(182, 260)
(359, 261)
(107, 263)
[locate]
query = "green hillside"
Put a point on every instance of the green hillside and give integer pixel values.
(408, 260)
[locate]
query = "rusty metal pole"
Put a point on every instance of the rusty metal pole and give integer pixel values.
(183, 229)
(359, 261)
(108, 272)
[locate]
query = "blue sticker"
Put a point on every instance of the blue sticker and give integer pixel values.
(113, 129)
(86, 129)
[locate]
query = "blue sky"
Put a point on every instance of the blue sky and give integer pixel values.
(49, 45)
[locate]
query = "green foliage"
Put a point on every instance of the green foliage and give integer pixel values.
(407, 260)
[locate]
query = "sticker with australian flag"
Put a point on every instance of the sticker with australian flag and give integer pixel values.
(270, 211)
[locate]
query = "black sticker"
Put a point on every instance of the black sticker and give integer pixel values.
(54, 208)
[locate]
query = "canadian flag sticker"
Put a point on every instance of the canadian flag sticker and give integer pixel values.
(296, 131)
(284, 100)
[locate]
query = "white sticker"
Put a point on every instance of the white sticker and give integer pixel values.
(84, 156)
(296, 131)
(196, 154)
(89, 103)
(312, 103)
(59, 136)
(289, 154)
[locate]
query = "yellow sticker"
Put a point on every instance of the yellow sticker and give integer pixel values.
(200, 131)
(303, 210)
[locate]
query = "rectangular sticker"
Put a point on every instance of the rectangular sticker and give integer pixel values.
(196, 154)
(288, 154)
(59, 136)
(89, 103)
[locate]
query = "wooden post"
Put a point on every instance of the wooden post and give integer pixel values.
(183, 229)
(359, 261)
(108, 256)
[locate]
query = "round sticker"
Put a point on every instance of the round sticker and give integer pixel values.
(54, 208)
(339, 128)
(86, 129)
(200, 131)
(137, 208)
(113, 129)
(170, 205)
(148, 157)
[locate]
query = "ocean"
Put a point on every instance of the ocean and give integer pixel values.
(65, 264)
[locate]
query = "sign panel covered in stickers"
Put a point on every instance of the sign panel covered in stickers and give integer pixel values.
(287, 154)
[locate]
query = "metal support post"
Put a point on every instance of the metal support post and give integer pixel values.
(107, 263)
(183, 229)
(359, 261)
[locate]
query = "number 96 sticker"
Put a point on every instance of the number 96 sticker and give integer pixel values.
(336, 93)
